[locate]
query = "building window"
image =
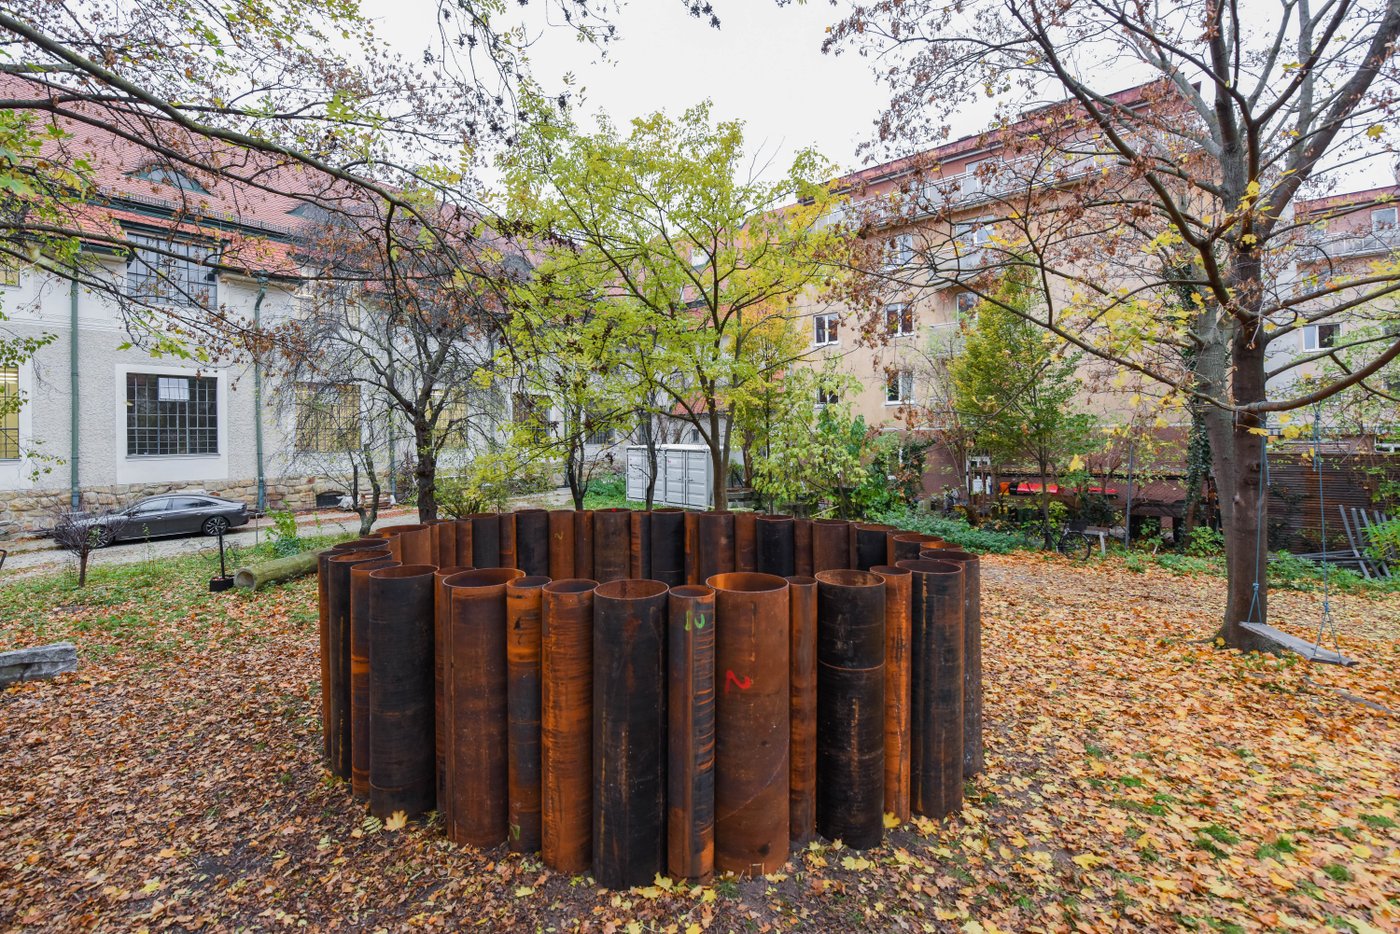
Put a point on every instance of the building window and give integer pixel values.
(9, 413)
(825, 329)
(899, 320)
(9, 271)
(899, 250)
(1318, 336)
(1383, 219)
(452, 416)
(971, 235)
(170, 271)
(168, 415)
(899, 388)
(164, 175)
(827, 396)
(328, 417)
(967, 304)
(593, 434)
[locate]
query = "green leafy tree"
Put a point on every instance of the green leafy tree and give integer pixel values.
(696, 252)
(1015, 388)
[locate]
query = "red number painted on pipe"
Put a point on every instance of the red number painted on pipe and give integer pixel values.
(742, 684)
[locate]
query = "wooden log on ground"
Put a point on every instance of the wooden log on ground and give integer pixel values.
(37, 663)
(258, 576)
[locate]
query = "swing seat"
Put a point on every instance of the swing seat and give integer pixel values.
(1313, 653)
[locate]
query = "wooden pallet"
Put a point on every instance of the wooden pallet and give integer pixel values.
(1313, 653)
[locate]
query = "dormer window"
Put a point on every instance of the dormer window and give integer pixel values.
(164, 175)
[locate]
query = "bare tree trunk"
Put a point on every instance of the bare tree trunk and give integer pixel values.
(719, 460)
(82, 567)
(648, 431)
(425, 471)
(573, 474)
(1238, 464)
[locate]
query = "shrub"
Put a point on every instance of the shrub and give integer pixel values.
(286, 539)
(1205, 542)
(953, 530)
(608, 491)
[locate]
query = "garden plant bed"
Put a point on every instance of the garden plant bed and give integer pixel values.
(1135, 776)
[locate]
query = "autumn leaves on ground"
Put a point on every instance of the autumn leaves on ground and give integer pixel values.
(1137, 778)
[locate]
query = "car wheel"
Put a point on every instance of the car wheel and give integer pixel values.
(215, 525)
(102, 537)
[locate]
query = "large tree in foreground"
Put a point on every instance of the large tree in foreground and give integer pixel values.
(1124, 202)
(693, 251)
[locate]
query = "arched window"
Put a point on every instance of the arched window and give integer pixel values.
(164, 175)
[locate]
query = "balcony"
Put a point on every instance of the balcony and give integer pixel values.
(1378, 242)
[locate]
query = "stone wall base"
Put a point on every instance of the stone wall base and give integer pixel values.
(27, 511)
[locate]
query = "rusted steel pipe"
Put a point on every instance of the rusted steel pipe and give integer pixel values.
(751, 722)
(373, 543)
(668, 546)
(775, 546)
(415, 544)
(445, 543)
(442, 626)
(323, 626)
(523, 712)
(583, 544)
(692, 547)
(898, 647)
(435, 542)
(561, 544)
(802, 547)
(714, 544)
(850, 707)
(746, 541)
(831, 544)
(802, 695)
(465, 555)
(869, 545)
(612, 544)
(359, 672)
(566, 724)
(640, 551)
(972, 653)
(532, 542)
(486, 540)
(936, 743)
(506, 539)
(477, 776)
(690, 772)
(401, 690)
(338, 603)
(905, 546)
(629, 732)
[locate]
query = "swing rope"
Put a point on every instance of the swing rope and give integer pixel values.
(1327, 623)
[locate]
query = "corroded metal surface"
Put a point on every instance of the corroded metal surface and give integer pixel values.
(850, 707)
(972, 653)
(476, 786)
(532, 542)
(442, 623)
(905, 546)
(714, 545)
(486, 540)
(523, 712)
(690, 773)
(415, 544)
(506, 538)
(898, 636)
(401, 690)
(937, 686)
(561, 543)
(338, 567)
(566, 724)
(802, 694)
(640, 551)
(668, 546)
(465, 555)
(629, 732)
(802, 547)
(359, 671)
(583, 544)
(746, 541)
(831, 544)
(751, 722)
(445, 543)
(612, 544)
(776, 547)
(869, 545)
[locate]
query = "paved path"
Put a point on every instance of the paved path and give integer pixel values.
(38, 555)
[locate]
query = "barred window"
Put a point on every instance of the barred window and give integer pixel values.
(452, 417)
(171, 415)
(173, 271)
(327, 417)
(9, 271)
(9, 413)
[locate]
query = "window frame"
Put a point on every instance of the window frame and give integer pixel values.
(311, 438)
(9, 420)
(1378, 225)
(899, 250)
(193, 282)
(828, 323)
(827, 396)
(899, 320)
(202, 393)
(1313, 334)
(902, 383)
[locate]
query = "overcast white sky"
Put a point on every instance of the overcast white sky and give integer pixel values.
(764, 66)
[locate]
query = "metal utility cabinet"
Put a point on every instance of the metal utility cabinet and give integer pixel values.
(685, 475)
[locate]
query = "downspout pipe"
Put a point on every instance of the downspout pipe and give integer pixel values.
(75, 493)
(257, 400)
